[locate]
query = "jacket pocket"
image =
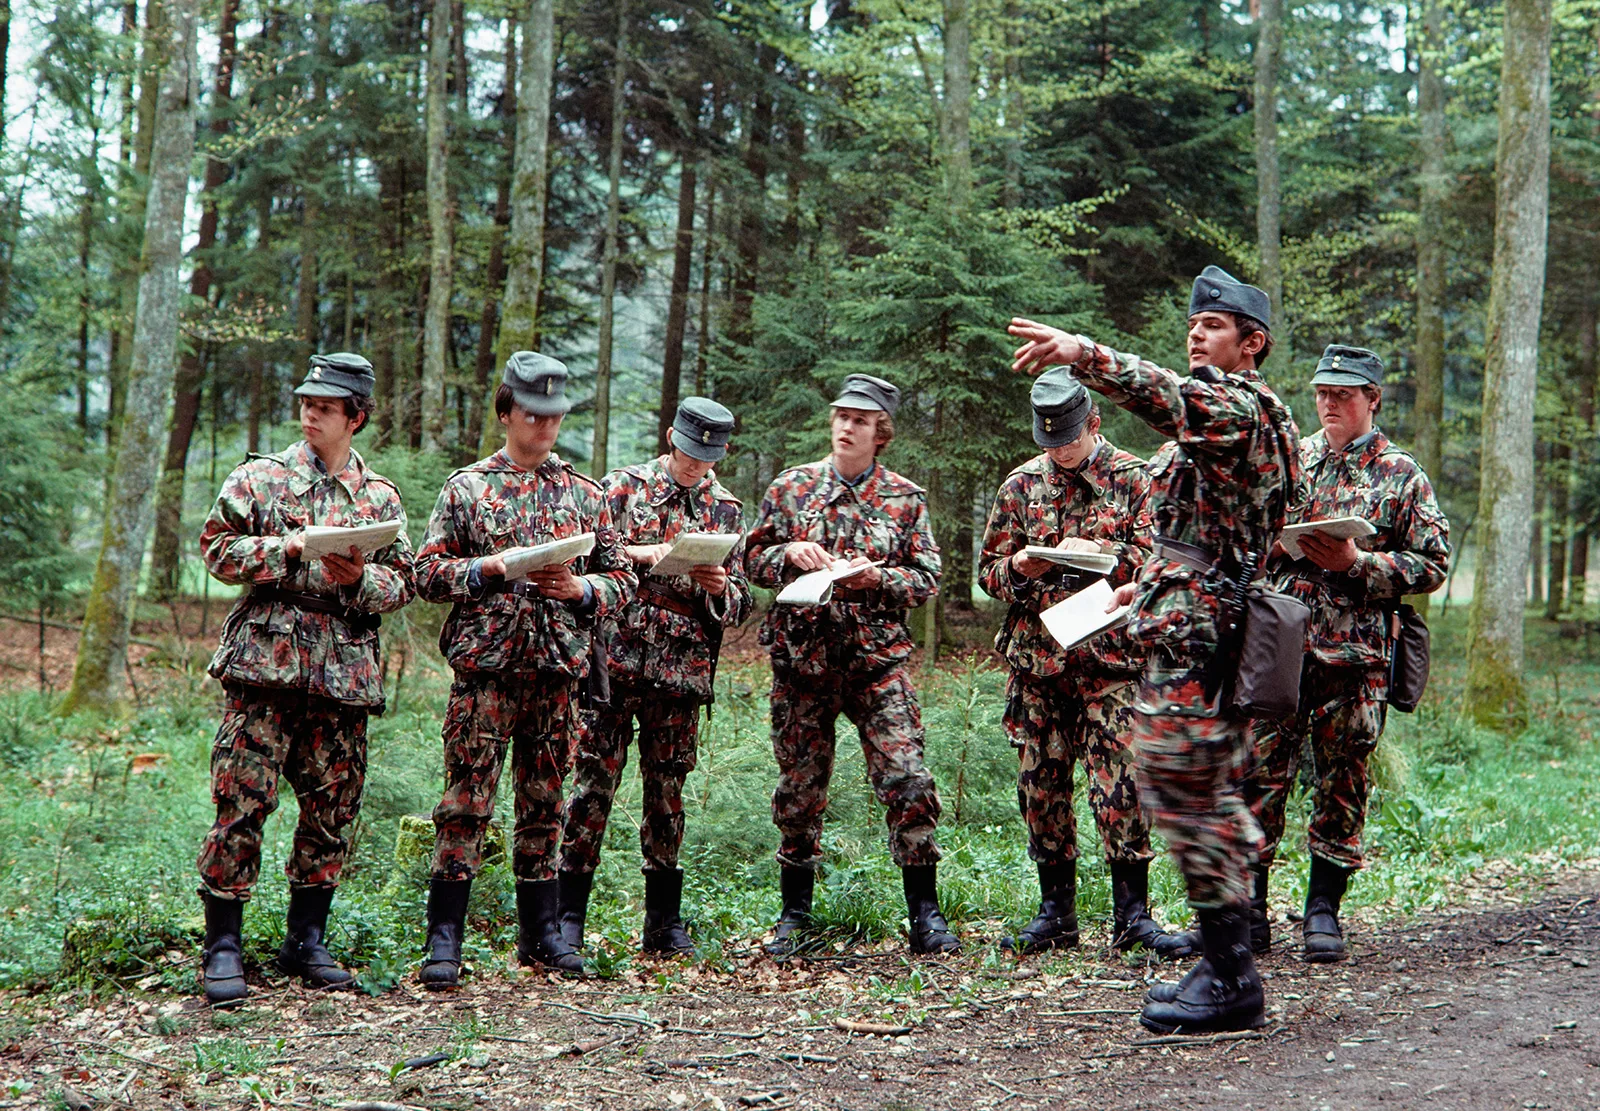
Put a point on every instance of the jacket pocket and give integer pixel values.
(481, 635)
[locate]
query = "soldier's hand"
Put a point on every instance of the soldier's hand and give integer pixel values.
(1078, 544)
(1045, 346)
(557, 582)
(294, 545)
(711, 577)
(1029, 567)
(647, 555)
(1122, 596)
(808, 555)
(1328, 553)
(345, 570)
(493, 567)
(868, 578)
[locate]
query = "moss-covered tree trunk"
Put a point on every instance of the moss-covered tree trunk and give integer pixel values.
(1428, 413)
(441, 265)
(678, 298)
(608, 260)
(489, 320)
(1495, 691)
(97, 678)
(1588, 365)
(1269, 192)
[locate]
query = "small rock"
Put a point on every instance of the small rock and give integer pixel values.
(1331, 1056)
(1580, 962)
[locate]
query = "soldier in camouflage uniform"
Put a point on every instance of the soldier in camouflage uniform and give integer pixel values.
(663, 654)
(1067, 706)
(1353, 588)
(1221, 497)
(299, 669)
(520, 650)
(849, 655)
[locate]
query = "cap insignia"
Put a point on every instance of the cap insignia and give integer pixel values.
(705, 437)
(316, 375)
(549, 386)
(1216, 293)
(1048, 427)
(1336, 359)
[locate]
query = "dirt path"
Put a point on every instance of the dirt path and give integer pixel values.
(1479, 1009)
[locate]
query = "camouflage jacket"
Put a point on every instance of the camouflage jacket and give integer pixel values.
(1107, 500)
(1409, 554)
(493, 505)
(1227, 485)
(882, 517)
(650, 644)
(274, 644)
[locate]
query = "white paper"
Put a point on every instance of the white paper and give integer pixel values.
(324, 540)
(522, 561)
(695, 549)
(1340, 528)
(816, 588)
(1083, 615)
(1096, 563)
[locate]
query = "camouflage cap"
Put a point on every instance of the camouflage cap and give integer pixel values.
(1348, 366)
(341, 374)
(1060, 408)
(702, 429)
(538, 383)
(1216, 290)
(863, 391)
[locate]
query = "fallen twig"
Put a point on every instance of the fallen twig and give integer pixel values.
(600, 1016)
(857, 1026)
(1203, 1039)
(759, 1034)
(807, 1058)
(1010, 1093)
(1092, 1011)
(755, 1099)
(120, 1053)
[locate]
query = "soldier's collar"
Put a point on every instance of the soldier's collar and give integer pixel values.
(861, 484)
(306, 471)
(666, 487)
(1091, 472)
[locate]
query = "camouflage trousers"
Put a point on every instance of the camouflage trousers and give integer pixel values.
(1341, 714)
(320, 747)
(534, 714)
(1058, 722)
(1192, 771)
(669, 725)
(888, 719)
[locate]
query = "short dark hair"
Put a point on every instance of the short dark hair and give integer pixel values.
(1249, 326)
(883, 434)
(362, 407)
(503, 400)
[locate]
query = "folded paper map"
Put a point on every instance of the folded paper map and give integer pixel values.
(1083, 561)
(816, 588)
(695, 549)
(324, 540)
(1083, 615)
(1340, 528)
(522, 561)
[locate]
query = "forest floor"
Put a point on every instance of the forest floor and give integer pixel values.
(1480, 1008)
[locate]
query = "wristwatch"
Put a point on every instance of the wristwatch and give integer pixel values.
(1358, 569)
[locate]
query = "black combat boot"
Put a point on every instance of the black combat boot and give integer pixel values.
(663, 907)
(539, 939)
(930, 933)
(303, 954)
(1131, 922)
(1260, 918)
(1056, 924)
(447, 920)
(1324, 939)
(1222, 992)
(797, 885)
(222, 958)
(574, 888)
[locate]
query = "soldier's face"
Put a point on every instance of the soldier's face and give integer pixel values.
(855, 433)
(1071, 456)
(323, 423)
(1345, 412)
(531, 434)
(1214, 341)
(687, 470)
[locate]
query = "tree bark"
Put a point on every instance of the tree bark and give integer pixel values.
(1428, 413)
(1269, 194)
(97, 678)
(308, 329)
(1588, 366)
(1559, 478)
(1541, 454)
(702, 334)
(483, 366)
(1495, 690)
(167, 546)
(441, 268)
(256, 356)
(1016, 107)
(752, 215)
(678, 299)
(608, 262)
(957, 114)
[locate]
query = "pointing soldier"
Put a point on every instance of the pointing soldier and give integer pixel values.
(663, 657)
(519, 650)
(849, 655)
(299, 669)
(1221, 496)
(1062, 707)
(1353, 588)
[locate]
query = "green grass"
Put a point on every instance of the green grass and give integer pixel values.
(86, 840)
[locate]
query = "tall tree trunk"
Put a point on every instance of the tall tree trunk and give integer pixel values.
(1559, 479)
(1588, 367)
(1269, 194)
(386, 294)
(308, 331)
(97, 677)
(483, 366)
(752, 216)
(702, 333)
(678, 298)
(608, 262)
(1016, 108)
(1428, 413)
(441, 269)
(5, 53)
(957, 114)
(530, 193)
(256, 357)
(1541, 453)
(1495, 691)
(167, 547)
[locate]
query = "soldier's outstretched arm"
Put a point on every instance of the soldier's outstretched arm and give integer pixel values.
(234, 542)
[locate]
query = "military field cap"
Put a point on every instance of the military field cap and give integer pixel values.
(538, 383)
(1060, 408)
(863, 391)
(1348, 366)
(341, 374)
(1216, 290)
(702, 429)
